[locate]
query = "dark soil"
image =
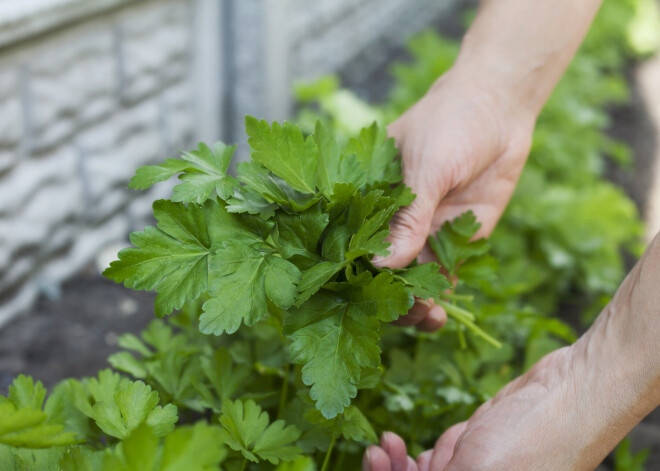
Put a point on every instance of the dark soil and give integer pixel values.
(72, 336)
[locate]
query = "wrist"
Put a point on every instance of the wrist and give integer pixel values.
(615, 366)
(479, 82)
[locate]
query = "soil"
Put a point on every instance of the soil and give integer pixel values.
(72, 336)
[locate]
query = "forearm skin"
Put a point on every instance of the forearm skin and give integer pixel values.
(616, 364)
(521, 48)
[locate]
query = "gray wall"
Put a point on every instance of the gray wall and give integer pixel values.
(90, 90)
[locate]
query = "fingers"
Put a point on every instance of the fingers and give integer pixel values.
(375, 459)
(409, 230)
(411, 464)
(424, 460)
(428, 317)
(444, 447)
(395, 448)
(435, 319)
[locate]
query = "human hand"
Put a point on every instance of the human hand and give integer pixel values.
(571, 408)
(463, 147)
(529, 425)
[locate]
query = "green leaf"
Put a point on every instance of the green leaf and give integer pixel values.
(301, 463)
(298, 234)
(224, 376)
(193, 448)
(335, 335)
(370, 237)
(315, 277)
(24, 393)
(376, 154)
(250, 202)
(334, 167)
(353, 425)
(425, 280)
(335, 244)
(204, 171)
(246, 277)
(283, 150)
(24, 459)
(29, 428)
(247, 429)
(23, 423)
(61, 409)
(138, 452)
(272, 188)
(146, 176)
(82, 459)
(119, 406)
(452, 243)
(173, 258)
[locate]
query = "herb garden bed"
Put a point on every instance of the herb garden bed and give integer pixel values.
(426, 382)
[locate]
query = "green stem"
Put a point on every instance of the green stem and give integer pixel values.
(457, 312)
(340, 461)
(466, 318)
(245, 461)
(326, 460)
(458, 297)
(285, 391)
(461, 337)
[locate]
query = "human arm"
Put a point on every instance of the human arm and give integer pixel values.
(572, 407)
(464, 144)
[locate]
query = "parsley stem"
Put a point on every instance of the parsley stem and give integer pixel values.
(458, 297)
(457, 312)
(326, 460)
(285, 390)
(244, 464)
(466, 318)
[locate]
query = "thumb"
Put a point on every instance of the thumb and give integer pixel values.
(409, 230)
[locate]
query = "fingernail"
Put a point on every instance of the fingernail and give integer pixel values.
(378, 260)
(424, 302)
(385, 441)
(366, 461)
(382, 261)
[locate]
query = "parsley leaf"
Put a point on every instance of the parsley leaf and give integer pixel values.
(335, 335)
(298, 234)
(246, 277)
(333, 166)
(193, 448)
(469, 260)
(119, 406)
(173, 258)
(376, 154)
(425, 280)
(23, 423)
(284, 151)
(247, 429)
(273, 188)
(204, 170)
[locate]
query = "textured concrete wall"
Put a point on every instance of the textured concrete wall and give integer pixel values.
(80, 108)
(289, 40)
(91, 90)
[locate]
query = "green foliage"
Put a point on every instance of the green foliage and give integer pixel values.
(247, 429)
(24, 422)
(304, 260)
(278, 312)
(626, 460)
(202, 171)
